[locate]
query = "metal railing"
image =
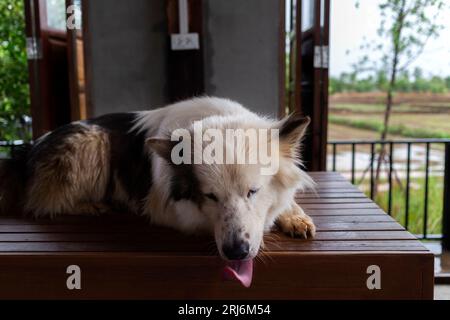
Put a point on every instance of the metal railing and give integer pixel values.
(386, 168)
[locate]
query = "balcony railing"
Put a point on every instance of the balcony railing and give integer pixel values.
(409, 165)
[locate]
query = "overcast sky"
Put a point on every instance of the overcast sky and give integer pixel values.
(350, 26)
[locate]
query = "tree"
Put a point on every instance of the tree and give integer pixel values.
(14, 93)
(405, 28)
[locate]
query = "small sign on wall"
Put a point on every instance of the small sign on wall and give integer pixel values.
(187, 41)
(184, 40)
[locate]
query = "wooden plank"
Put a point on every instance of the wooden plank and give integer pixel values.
(153, 247)
(364, 235)
(334, 206)
(336, 185)
(325, 225)
(329, 195)
(354, 219)
(333, 200)
(343, 212)
(329, 178)
(315, 275)
(74, 228)
(131, 221)
(358, 226)
(49, 226)
(144, 261)
(331, 190)
(334, 178)
(118, 237)
(347, 245)
(126, 219)
(318, 174)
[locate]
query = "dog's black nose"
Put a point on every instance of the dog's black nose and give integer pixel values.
(237, 250)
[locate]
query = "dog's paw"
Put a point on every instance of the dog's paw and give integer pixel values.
(296, 225)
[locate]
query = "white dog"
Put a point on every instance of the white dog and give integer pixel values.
(126, 161)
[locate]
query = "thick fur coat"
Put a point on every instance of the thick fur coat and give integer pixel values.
(122, 161)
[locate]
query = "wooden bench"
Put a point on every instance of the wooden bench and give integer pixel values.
(121, 256)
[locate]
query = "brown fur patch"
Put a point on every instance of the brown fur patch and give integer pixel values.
(77, 171)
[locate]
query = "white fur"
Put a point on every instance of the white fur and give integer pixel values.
(230, 183)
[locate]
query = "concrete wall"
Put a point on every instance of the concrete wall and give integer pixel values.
(127, 48)
(128, 53)
(241, 52)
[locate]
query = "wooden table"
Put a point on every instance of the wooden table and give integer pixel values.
(120, 256)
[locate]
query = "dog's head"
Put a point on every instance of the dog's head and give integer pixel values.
(237, 201)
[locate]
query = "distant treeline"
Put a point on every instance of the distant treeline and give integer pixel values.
(406, 82)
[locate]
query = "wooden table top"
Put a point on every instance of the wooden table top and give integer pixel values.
(346, 220)
(122, 256)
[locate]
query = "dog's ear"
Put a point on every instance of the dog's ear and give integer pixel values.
(162, 147)
(291, 131)
(292, 128)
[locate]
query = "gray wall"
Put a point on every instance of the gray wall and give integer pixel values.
(241, 52)
(128, 43)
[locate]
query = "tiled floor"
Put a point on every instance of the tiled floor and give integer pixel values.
(442, 260)
(442, 292)
(441, 265)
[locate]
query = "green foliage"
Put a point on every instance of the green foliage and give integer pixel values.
(14, 93)
(405, 83)
(409, 24)
(416, 204)
(401, 130)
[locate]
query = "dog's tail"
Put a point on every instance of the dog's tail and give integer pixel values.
(13, 175)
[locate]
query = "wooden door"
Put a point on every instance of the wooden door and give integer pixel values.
(308, 74)
(77, 21)
(54, 62)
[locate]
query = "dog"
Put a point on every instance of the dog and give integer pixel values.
(124, 161)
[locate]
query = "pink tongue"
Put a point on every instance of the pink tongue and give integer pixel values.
(241, 270)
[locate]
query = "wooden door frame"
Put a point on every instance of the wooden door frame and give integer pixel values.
(72, 35)
(87, 57)
(38, 109)
(75, 112)
(282, 60)
(316, 146)
(324, 91)
(40, 92)
(185, 68)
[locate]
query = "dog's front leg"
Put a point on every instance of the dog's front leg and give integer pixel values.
(295, 222)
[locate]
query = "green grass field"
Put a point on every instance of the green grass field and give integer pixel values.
(361, 107)
(350, 121)
(403, 126)
(416, 204)
(406, 121)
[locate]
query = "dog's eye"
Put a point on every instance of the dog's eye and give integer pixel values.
(211, 196)
(251, 192)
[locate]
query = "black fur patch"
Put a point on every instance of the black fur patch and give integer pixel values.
(292, 123)
(128, 159)
(184, 185)
(50, 145)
